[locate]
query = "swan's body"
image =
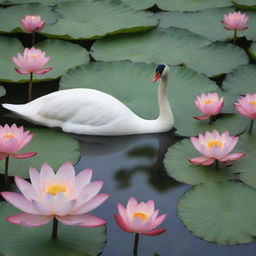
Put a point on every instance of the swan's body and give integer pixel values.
(88, 111)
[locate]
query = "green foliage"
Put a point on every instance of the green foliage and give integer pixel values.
(183, 47)
(178, 5)
(241, 81)
(71, 241)
(222, 213)
(94, 19)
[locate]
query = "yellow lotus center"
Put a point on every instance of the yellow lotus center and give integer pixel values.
(33, 55)
(55, 189)
(140, 215)
(32, 17)
(208, 101)
(9, 135)
(214, 143)
(252, 102)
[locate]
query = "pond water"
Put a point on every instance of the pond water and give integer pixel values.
(133, 166)
(129, 169)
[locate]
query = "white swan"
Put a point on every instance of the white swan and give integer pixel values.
(88, 111)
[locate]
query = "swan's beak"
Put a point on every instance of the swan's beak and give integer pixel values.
(156, 77)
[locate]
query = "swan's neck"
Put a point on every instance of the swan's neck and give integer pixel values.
(165, 112)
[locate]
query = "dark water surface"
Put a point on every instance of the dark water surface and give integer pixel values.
(133, 166)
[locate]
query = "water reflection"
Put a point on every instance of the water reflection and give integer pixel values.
(146, 158)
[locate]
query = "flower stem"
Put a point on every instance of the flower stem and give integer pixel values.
(251, 126)
(30, 86)
(235, 37)
(54, 228)
(216, 165)
(136, 243)
(33, 38)
(6, 167)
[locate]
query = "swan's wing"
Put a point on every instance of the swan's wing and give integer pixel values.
(82, 107)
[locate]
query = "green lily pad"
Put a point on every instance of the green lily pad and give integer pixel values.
(12, 15)
(183, 47)
(252, 50)
(222, 213)
(245, 4)
(241, 81)
(2, 91)
(9, 48)
(51, 146)
(94, 19)
(71, 241)
(60, 52)
(130, 83)
(212, 29)
(45, 2)
(178, 5)
(209, 59)
(245, 167)
(179, 168)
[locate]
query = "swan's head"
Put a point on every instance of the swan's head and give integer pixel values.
(162, 70)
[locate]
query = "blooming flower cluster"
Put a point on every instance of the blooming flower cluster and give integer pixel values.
(32, 23)
(140, 218)
(210, 104)
(215, 147)
(63, 195)
(13, 139)
(246, 106)
(31, 61)
(235, 21)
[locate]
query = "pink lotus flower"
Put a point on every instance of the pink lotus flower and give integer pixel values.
(32, 23)
(215, 147)
(31, 61)
(235, 21)
(140, 218)
(12, 140)
(210, 104)
(63, 195)
(246, 106)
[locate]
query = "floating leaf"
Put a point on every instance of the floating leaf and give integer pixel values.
(252, 50)
(179, 168)
(178, 5)
(2, 91)
(245, 4)
(183, 47)
(222, 213)
(217, 58)
(60, 52)
(51, 146)
(9, 48)
(12, 15)
(71, 241)
(61, 60)
(130, 83)
(245, 167)
(241, 81)
(45, 2)
(94, 19)
(212, 29)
